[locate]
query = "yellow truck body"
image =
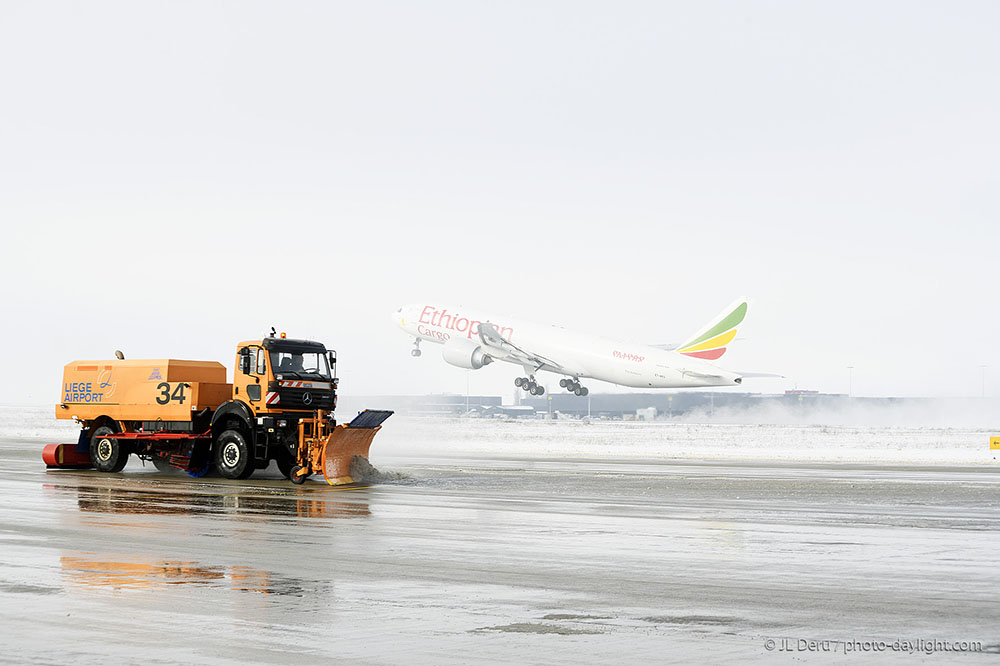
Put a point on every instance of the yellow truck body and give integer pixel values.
(141, 390)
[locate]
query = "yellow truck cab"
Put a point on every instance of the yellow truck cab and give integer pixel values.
(279, 406)
(276, 383)
(276, 375)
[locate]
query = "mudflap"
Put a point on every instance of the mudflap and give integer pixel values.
(83, 443)
(349, 441)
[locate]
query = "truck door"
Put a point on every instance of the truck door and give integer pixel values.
(250, 373)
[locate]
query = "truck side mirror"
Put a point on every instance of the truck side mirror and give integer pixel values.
(245, 361)
(333, 363)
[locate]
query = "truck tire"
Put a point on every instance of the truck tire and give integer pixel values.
(295, 478)
(163, 466)
(107, 453)
(233, 457)
(285, 462)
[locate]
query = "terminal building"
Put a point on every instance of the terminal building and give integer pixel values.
(666, 405)
(661, 405)
(437, 404)
(691, 406)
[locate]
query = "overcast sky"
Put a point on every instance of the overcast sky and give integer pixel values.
(175, 177)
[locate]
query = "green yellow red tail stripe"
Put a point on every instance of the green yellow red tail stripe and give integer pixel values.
(712, 342)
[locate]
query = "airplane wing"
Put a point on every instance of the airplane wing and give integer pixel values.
(492, 340)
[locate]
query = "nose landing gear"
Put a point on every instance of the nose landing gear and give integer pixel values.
(415, 352)
(573, 386)
(529, 385)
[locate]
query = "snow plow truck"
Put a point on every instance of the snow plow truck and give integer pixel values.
(184, 414)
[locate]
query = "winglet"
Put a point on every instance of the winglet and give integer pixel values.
(711, 341)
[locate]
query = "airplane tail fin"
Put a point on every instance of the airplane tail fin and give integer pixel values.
(711, 341)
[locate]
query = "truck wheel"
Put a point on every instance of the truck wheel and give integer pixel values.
(107, 453)
(232, 455)
(285, 462)
(163, 466)
(297, 480)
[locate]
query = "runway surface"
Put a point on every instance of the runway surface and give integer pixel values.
(479, 559)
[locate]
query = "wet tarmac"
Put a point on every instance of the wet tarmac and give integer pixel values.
(456, 560)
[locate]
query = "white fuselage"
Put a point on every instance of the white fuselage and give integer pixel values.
(573, 354)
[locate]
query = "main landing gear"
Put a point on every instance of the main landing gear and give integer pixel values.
(529, 385)
(573, 386)
(415, 352)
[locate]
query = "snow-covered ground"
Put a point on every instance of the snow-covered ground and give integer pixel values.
(17, 422)
(414, 437)
(665, 440)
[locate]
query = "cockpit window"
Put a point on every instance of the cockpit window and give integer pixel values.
(300, 365)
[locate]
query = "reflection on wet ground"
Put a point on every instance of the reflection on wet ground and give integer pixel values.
(91, 571)
(303, 504)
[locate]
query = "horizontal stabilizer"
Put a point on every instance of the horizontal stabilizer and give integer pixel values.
(701, 375)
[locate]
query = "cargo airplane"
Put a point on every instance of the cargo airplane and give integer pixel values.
(472, 340)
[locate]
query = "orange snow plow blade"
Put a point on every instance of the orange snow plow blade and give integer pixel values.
(349, 441)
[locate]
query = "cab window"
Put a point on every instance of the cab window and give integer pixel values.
(300, 365)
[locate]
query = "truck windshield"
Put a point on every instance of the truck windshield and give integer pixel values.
(303, 365)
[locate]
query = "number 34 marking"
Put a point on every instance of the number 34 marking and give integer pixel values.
(166, 396)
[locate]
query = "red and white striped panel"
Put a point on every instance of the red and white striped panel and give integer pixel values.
(313, 385)
(272, 398)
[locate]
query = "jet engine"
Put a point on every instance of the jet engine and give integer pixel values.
(465, 353)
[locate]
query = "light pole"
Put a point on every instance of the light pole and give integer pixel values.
(850, 380)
